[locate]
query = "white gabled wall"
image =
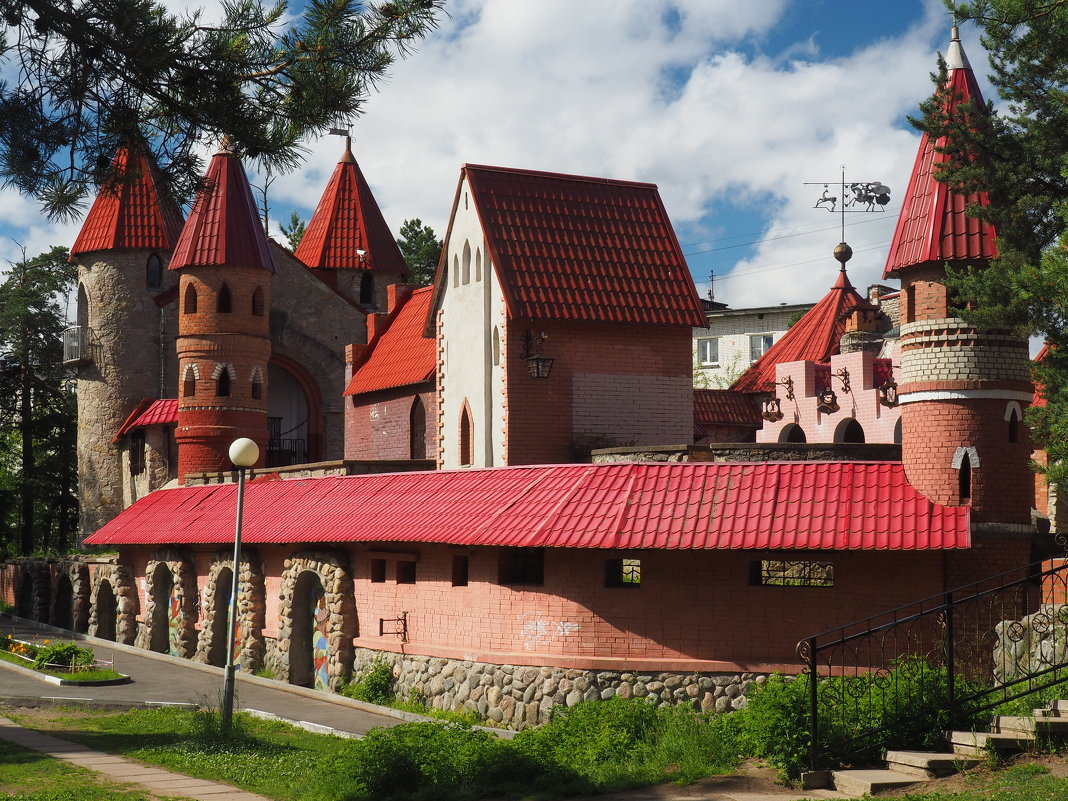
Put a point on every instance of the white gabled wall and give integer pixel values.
(471, 307)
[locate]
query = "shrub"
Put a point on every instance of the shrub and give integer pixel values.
(375, 686)
(67, 654)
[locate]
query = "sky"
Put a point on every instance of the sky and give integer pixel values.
(731, 108)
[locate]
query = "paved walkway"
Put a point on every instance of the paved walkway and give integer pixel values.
(121, 769)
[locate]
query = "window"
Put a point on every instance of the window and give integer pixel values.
(623, 573)
(154, 273)
(708, 352)
(759, 344)
(378, 571)
(222, 387)
(190, 304)
(405, 572)
(1014, 425)
(478, 264)
(459, 571)
(224, 304)
(455, 271)
(257, 302)
(367, 289)
(496, 347)
(786, 573)
(964, 478)
(137, 452)
(522, 566)
(467, 437)
(257, 389)
(189, 381)
(466, 276)
(417, 430)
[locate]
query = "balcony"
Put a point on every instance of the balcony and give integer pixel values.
(76, 346)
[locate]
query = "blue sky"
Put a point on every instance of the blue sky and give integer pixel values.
(729, 107)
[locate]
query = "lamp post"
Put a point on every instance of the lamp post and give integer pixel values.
(243, 453)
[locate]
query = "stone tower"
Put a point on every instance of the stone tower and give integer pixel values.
(963, 391)
(117, 347)
(224, 302)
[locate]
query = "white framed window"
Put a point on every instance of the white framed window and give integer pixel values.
(708, 352)
(759, 344)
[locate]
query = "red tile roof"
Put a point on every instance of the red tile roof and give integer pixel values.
(224, 226)
(724, 407)
(1039, 398)
(815, 337)
(400, 355)
(933, 225)
(150, 413)
(347, 221)
(568, 247)
(780, 505)
(134, 213)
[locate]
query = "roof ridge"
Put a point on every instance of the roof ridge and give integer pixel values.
(561, 175)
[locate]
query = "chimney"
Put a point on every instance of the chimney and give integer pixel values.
(396, 295)
(375, 324)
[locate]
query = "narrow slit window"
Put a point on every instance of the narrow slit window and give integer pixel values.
(792, 573)
(460, 569)
(225, 303)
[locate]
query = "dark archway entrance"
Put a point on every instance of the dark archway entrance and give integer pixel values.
(309, 648)
(24, 599)
(166, 615)
(849, 431)
(220, 620)
(792, 433)
(106, 609)
(63, 604)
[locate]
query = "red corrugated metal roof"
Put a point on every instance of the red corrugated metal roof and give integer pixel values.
(224, 227)
(400, 355)
(151, 413)
(133, 213)
(933, 225)
(569, 247)
(767, 505)
(813, 338)
(346, 221)
(724, 407)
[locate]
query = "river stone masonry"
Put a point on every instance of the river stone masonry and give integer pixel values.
(520, 696)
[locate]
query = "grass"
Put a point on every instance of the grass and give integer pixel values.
(27, 775)
(81, 675)
(1025, 782)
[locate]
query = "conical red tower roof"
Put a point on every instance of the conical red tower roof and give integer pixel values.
(814, 338)
(224, 226)
(933, 226)
(346, 222)
(134, 213)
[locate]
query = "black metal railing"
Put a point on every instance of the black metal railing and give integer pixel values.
(898, 679)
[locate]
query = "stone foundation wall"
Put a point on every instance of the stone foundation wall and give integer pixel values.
(516, 696)
(1033, 644)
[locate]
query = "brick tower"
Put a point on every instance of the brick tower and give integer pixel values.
(118, 347)
(963, 391)
(224, 298)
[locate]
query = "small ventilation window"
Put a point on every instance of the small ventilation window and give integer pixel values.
(154, 273)
(623, 573)
(367, 289)
(405, 572)
(522, 566)
(190, 304)
(257, 301)
(137, 452)
(378, 571)
(225, 302)
(460, 569)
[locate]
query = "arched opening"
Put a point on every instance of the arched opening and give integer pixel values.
(466, 274)
(257, 388)
(496, 346)
(63, 604)
(189, 304)
(222, 387)
(367, 289)
(83, 307)
(478, 264)
(166, 615)
(964, 479)
(257, 301)
(849, 430)
(897, 432)
(309, 649)
(792, 433)
(221, 619)
(1014, 425)
(467, 436)
(154, 273)
(106, 609)
(224, 304)
(189, 382)
(417, 430)
(24, 597)
(455, 271)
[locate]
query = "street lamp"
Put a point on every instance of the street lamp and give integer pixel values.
(244, 453)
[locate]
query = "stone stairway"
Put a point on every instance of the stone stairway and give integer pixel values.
(1008, 735)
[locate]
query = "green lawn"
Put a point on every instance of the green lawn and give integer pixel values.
(1024, 782)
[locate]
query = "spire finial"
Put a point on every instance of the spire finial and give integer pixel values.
(955, 57)
(226, 146)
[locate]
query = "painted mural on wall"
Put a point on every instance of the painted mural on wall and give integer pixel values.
(174, 624)
(319, 641)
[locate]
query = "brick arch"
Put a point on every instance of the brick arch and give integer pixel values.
(251, 607)
(313, 396)
(33, 594)
(335, 573)
(184, 577)
(121, 581)
(77, 573)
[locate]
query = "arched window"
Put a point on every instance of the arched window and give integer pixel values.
(225, 303)
(83, 307)
(222, 387)
(190, 304)
(257, 383)
(1013, 413)
(496, 346)
(154, 272)
(189, 381)
(466, 275)
(467, 436)
(849, 430)
(792, 433)
(257, 301)
(417, 430)
(478, 264)
(964, 478)
(897, 431)
(455, 271)
(367, 289)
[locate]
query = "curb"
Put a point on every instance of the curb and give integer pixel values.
(64, 682)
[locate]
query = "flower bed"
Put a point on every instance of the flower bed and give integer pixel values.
(59, 659)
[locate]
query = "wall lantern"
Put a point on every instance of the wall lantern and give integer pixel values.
(888, 393)
(771, 410)
(538, 364)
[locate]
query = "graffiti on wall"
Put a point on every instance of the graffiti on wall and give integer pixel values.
(537, 631)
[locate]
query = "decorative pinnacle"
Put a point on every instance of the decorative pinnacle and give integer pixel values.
(843, 253)
(955, 57)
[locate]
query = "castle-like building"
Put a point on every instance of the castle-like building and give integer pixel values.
(471, 479)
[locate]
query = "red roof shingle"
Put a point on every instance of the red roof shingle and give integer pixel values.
(768, 505)
(400, 355)
(724, 407)
(150, 413)
(224, 226)
(815, 337)
(569, 247)
(347, 221)
(133, 213)
(933, 225)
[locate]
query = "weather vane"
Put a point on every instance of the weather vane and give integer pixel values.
(854, 197)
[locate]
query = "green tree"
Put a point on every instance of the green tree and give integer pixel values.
(1019, 157)
(294, 231)
(421, 248)
(38, 509)
(84, 76)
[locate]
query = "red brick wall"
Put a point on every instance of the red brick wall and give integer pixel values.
(924, 294)
(540, 414)
(377, 424)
